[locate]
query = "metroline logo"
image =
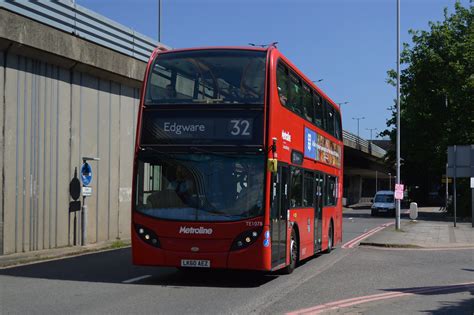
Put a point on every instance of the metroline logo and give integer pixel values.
(286, 135)
(191, 230)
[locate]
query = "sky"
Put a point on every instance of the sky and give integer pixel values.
(349, 44)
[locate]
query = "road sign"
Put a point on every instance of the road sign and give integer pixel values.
(86, 174)
(461, 161)
(86, 191)
(399, 191)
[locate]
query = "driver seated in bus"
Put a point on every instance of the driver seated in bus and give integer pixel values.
(177, 194)
(182, 185)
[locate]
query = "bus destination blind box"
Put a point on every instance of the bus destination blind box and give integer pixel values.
(201, 127)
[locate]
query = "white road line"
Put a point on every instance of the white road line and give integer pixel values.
(136, 279)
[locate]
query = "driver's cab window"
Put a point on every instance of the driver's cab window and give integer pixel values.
(165, 186)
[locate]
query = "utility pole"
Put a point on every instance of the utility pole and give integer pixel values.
(340, 105)
(371, 129)
(159, 21)
(358, 119)
(397, 218)
(447, 189)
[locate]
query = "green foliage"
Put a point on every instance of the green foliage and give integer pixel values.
(119, 244)
(437, 97)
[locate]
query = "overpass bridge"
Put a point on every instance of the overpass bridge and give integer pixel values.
(70, 81)
(364, 169)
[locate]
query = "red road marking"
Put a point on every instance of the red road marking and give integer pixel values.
(382, 296)
(359, 238)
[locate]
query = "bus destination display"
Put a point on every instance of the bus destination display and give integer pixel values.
(220, 128)
(236, 128)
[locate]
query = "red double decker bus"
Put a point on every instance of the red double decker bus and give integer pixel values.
(238, 162)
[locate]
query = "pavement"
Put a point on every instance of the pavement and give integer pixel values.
(57, 253)
(432, 230)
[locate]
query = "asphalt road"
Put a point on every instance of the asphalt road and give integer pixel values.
(107, 283)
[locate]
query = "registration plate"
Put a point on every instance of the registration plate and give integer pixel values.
(195, 263)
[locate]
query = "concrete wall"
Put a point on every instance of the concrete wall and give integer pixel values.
(58, 104)
(2, 147)
(53, 117)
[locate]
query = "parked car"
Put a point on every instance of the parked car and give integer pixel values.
(383, 202)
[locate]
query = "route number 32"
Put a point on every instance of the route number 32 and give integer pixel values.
(240, 127)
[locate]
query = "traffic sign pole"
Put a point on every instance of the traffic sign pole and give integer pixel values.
(472, 201)
(86, 178)
(84, 222)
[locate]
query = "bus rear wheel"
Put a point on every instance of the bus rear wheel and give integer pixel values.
(294, 249)
(330, 239)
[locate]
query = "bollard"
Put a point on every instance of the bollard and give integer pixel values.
(413, 211)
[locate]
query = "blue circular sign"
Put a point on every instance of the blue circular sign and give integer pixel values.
(86, 174)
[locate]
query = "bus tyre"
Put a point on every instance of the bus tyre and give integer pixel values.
(330, 239)
(294, 250)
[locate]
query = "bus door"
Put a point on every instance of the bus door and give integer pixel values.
(318, 211)
(278, 215)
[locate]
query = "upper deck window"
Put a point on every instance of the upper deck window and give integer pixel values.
(296, 95)
(207, 77)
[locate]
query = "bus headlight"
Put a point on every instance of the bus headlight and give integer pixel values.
(246, 239)
(147, 235)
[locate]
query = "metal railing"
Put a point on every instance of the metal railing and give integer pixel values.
(363, 145)
(74, 19)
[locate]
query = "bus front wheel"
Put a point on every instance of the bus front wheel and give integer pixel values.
(294, 249)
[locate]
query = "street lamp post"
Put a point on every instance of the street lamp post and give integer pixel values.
(340, 105)
(397, 218)
(159, 21)
(358, 119)
(371, 129)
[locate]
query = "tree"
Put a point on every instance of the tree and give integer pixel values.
(437, 97)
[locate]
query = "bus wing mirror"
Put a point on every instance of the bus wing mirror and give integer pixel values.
(272, 165)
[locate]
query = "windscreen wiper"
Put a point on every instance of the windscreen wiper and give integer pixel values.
(209, 101)
(201, 150)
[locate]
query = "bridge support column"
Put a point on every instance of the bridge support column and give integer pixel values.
(354, 189)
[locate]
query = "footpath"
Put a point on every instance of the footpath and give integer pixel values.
(58, 253)
(432, 230)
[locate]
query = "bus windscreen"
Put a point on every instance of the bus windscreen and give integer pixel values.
(200, 187)
(207, 77)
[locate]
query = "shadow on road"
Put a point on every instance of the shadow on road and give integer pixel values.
(116, 266)
(211, 278)
(465, 306)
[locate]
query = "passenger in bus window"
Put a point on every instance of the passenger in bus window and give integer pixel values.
(170, 91)
(283, 98)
